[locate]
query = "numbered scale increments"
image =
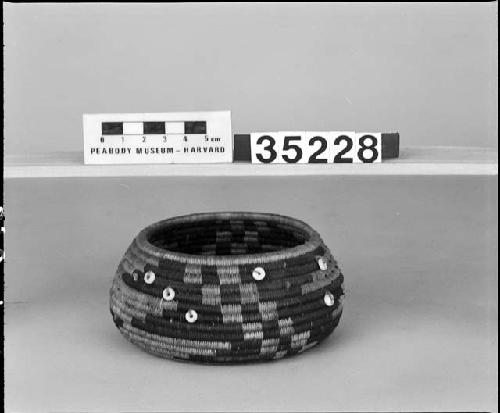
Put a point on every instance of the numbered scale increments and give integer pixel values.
(190, 137)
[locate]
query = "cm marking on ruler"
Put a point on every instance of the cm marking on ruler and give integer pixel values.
(183, 137)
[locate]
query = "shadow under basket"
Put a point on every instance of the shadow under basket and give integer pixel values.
(227, 287)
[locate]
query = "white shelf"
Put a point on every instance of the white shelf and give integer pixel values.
(429, 160)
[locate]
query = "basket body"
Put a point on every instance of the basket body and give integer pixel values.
(227, 287)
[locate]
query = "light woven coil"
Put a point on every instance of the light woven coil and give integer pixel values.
(206, 263)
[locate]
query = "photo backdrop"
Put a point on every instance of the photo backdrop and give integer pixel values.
(428, 71)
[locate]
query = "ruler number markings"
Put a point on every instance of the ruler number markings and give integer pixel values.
(182, 137)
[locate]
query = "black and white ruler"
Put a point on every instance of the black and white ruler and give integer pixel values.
(181, 137)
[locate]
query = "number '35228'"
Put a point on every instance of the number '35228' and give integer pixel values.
(316, 147)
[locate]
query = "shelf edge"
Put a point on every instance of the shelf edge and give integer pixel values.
(230, 170)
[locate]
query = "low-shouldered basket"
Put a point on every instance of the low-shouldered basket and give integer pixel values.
(227, 287)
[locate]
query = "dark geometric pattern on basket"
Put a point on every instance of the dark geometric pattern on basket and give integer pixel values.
(227, 287)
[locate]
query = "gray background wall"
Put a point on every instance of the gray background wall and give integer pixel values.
(428, 71)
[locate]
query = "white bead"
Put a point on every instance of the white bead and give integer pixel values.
(323, 265)
(258, 273)
(168, 294)
(149, 277)
(135, 276)
(329, 299)
(191, 316)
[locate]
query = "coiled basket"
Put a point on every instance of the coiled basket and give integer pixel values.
(227, 287)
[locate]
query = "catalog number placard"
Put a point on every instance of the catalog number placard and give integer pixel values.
(316, 147)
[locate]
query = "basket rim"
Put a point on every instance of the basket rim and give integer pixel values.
(313, 241)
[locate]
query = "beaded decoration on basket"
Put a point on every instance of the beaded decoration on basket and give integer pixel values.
(227, 287)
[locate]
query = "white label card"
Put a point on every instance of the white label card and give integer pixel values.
(316, 147)
(134, 138)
